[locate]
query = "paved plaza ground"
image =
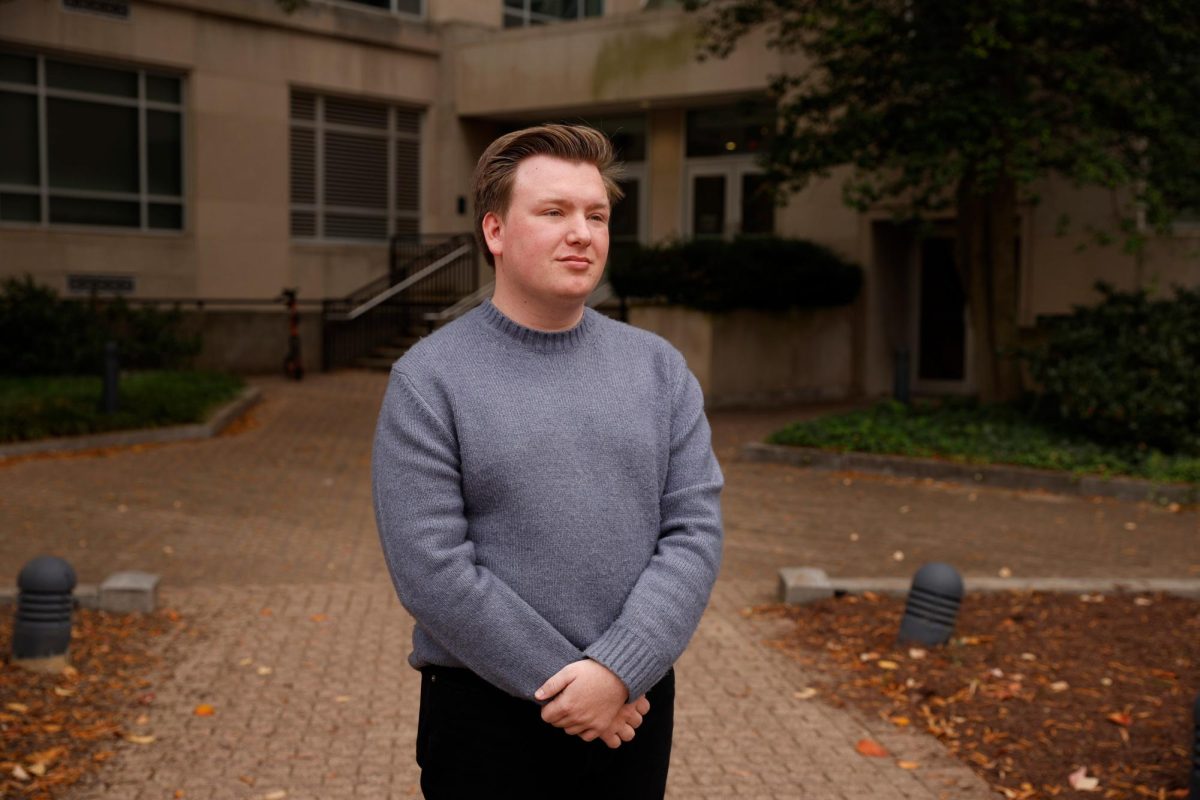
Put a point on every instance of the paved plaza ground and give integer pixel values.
(265, 539)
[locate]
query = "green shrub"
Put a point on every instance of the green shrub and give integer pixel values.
(1126, 371)
(44, 406)
(763, 273)
(963, 431)
(42, 334)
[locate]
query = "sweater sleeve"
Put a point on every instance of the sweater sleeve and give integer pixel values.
(422, 525)
(662, 611)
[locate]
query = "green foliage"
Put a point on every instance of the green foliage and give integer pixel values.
(966, 432)
(41, 334)
(40, 407)
(1125, 371)
(925, 96)
(764, 273)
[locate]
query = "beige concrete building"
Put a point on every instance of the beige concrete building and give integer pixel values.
(223, 149)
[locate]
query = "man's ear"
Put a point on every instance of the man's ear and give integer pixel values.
(493, 233)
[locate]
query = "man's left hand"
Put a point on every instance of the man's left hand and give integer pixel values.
(586, 698)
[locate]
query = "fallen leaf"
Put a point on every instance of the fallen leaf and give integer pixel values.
(204, 710)
(888, 665)
(869, 656)
(139, 739)
(61, 692)
(245, 662)
(871, 749)
(1119, 718)
(47, 756)
(1028, 657)
(1059, 686)
(901, 722)
(264, 670)
(343, 698)
(916, 653)
(37, 769)
(20, 708)
(1080, 781)
(277, 794)
(1142, 601)
(1005, 572)
(806, 693)
(907, 764)
(898, 555)
(319, 617)
(19, 773)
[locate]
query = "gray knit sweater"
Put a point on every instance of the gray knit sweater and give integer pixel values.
(547, 497)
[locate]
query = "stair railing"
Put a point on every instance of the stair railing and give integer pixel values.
(384, 309)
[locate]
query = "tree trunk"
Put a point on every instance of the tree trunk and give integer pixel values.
(986, 257)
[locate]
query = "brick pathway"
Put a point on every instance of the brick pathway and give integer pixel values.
(256, 532)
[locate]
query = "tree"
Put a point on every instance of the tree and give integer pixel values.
(966, 104)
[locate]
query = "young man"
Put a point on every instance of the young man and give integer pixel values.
(548, 503)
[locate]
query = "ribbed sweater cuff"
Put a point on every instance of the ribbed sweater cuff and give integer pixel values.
(630, 658)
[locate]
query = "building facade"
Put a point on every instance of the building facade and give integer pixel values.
(223, 149)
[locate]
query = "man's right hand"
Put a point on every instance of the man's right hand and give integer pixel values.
(628, 719)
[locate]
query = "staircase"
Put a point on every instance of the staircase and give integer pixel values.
(427, 286)
(374, 325)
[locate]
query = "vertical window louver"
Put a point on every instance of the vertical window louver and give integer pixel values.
(355, 169)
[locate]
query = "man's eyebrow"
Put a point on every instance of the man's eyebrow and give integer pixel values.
(562, 201)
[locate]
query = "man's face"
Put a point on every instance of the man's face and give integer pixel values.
(552, 243)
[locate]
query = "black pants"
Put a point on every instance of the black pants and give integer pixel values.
(475, 741)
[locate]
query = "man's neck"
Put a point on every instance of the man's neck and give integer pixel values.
(536, 316)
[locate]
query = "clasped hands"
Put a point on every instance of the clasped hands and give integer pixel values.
(587, 700)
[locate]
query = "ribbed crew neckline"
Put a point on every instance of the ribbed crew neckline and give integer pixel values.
(541, 341)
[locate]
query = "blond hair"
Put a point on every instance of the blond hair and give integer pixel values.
(497, 167)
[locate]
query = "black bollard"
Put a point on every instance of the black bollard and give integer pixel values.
(900, 378)
(1194, 780)
(932, 607)
(111, 372)
(42, 629)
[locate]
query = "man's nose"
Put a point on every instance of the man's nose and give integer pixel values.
(578, 231)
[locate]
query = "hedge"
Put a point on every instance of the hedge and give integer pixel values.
(762, 273)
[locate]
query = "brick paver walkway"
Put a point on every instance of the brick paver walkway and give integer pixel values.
(265, 540)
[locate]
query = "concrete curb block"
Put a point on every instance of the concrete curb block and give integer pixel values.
(217, 422)
(120, 593)
(997, 475)
(799, 585)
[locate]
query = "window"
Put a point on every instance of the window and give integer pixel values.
(727, 193)
(523, 13)
(410, 7)
(88, 145)
(355, 169)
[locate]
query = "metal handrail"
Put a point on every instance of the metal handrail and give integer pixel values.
(462, 306)
(407, 282)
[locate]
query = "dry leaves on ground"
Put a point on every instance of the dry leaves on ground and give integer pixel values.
(56, 728)
(1043, 695)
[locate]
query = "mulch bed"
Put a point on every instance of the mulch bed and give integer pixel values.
(56, 729)
(1033, 686)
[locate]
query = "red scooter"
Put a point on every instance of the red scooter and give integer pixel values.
(292, 366)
